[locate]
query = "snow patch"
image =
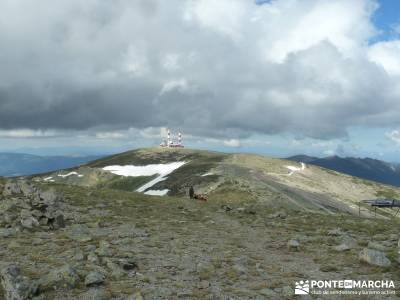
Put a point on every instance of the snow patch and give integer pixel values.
(48, 178)
(161, 169)
(157, 192)
(294, 169)
(207, 174)
(69, 174)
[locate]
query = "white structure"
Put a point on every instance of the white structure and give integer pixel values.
(171, 143)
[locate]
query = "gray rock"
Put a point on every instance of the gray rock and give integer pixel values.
(11, 188)
(95, 294)
(80, 233)
(57, 222)
(268, 293)
(63, 277)
(16, 286)
(293, 245)
(94, 278)
(374, 257)
(48, 197)
(279, 214)
(30, 222)
(7, 232)
(116, 271)
(127, 264)
(348, 243)
(104, 249)
(335, 232)
(93, 258)
(26, 188)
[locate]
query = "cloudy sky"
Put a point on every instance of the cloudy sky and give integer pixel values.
(276, 77)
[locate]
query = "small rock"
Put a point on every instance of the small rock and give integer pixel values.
(335, 232)
(93, 258)
(80, 233)
(104, 249)
(94, 278)
(226, 207)
(204, 284)
(374, 257)
(7, 232)
(116, 271)
(16, 286)
(293, 245)
(128, 264)
(342, 247)
(30, 222)
(279, 214)
(63, 277)
(268, 293)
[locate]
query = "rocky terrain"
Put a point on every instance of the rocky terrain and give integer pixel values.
(260, 232)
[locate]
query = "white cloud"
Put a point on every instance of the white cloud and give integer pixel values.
(394, 136)
(232, 143)
(220, 69)
(110, 135)
(28, 133)
(180, 85)
(387, 54)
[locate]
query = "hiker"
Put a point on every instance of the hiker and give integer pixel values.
(191, 192)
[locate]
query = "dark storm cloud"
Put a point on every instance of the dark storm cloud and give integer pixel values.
(225, 68)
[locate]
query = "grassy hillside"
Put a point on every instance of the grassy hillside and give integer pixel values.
(241, 175)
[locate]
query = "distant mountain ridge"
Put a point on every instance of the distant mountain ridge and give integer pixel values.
(366, 168)
(19, 164)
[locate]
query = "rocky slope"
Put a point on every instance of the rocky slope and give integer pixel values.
(260, 232)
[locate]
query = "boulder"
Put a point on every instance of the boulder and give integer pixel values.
(30, 222)
(374, 257)
(293, 245)
(16, 286)
(94, 278)
(11, 188)
(26, 188)
(63, 277)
